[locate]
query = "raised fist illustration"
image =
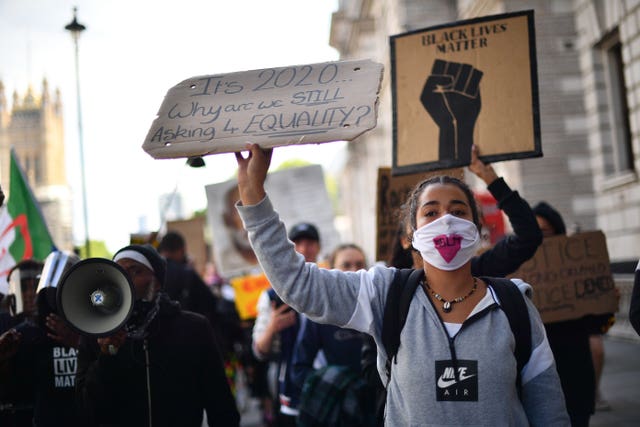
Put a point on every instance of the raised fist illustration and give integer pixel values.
(451, 96)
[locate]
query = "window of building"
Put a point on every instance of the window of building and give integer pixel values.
(617, 150)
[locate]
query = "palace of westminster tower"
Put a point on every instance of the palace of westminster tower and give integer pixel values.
(33, 125)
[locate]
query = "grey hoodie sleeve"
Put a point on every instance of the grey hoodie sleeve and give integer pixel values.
(340, 298)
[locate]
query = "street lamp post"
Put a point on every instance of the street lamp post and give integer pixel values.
(75, 28)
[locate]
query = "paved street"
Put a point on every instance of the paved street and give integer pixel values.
(620, 385)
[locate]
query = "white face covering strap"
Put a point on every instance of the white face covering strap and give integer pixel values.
(447, 243)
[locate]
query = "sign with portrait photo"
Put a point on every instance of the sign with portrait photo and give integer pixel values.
(464, 83)
(301, 196)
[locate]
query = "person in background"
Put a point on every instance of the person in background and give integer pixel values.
(184, 285)
(163, 368)
(451, 303)
(17, 399)
(569, 340)
(340, 346)
(276, 329)
(43, 362)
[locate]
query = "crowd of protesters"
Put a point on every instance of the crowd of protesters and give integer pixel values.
(314, 354)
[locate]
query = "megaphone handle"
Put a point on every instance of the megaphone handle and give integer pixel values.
(145, 346)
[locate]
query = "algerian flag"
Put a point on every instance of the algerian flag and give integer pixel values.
(23, 232)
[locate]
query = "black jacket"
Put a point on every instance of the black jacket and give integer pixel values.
(186, 376)
(507, 255)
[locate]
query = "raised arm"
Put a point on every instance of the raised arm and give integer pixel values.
(252, 173)
(345, 299)
(512, 251)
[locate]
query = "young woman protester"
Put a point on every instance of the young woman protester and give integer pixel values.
(456, 366)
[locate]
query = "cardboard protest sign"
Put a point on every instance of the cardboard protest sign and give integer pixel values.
(571, 277)
(462, 83)
(301, 104)
(300, 196)
(193, 232)
(393, 192)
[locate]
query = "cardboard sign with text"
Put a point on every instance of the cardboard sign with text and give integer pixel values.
(462, 83)
(571, 277)
(302, 104)
(393, 191)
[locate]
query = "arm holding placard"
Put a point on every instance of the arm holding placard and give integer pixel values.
(512, 251)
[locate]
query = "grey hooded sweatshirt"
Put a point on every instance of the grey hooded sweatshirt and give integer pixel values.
(467, 379)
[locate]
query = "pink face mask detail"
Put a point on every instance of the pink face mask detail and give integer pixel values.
(447, 246)
(447, 243)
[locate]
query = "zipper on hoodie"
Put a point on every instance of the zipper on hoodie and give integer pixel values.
(451, 339)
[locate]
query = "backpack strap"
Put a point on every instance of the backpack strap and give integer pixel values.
(514, 306)
(396, 309)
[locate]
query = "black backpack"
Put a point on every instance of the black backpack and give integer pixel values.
(399, 298)
(336, 396)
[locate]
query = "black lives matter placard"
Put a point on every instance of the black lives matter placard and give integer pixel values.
(464, 83)
(301, 104)
(571, 277)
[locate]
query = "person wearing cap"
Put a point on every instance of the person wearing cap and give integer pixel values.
(163, 369)
(569, 340)
(277, 325)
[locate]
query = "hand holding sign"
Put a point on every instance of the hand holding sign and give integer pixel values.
(451, 95)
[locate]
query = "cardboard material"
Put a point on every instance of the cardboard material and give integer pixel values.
(393, 192)
(302, 104)
(466, 82)
(193, 232)
(571, 277)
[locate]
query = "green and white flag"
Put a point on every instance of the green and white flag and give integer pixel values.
(23, 231)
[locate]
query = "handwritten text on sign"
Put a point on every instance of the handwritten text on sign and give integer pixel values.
(571, 277)
(275, 106)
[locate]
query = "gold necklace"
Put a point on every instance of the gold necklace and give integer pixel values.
(447, 305)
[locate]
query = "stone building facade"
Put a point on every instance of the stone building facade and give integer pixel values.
(33, 126)
(588, 54)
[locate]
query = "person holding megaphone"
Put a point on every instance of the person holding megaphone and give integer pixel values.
(162, 367)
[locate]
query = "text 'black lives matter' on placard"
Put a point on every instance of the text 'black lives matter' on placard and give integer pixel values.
(301, 104)
(464, 83)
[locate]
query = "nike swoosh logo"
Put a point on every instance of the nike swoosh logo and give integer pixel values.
(442, 383)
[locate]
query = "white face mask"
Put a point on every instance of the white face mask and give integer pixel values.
(447, 243)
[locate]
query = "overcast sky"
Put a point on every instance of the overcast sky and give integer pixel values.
(130, 55)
